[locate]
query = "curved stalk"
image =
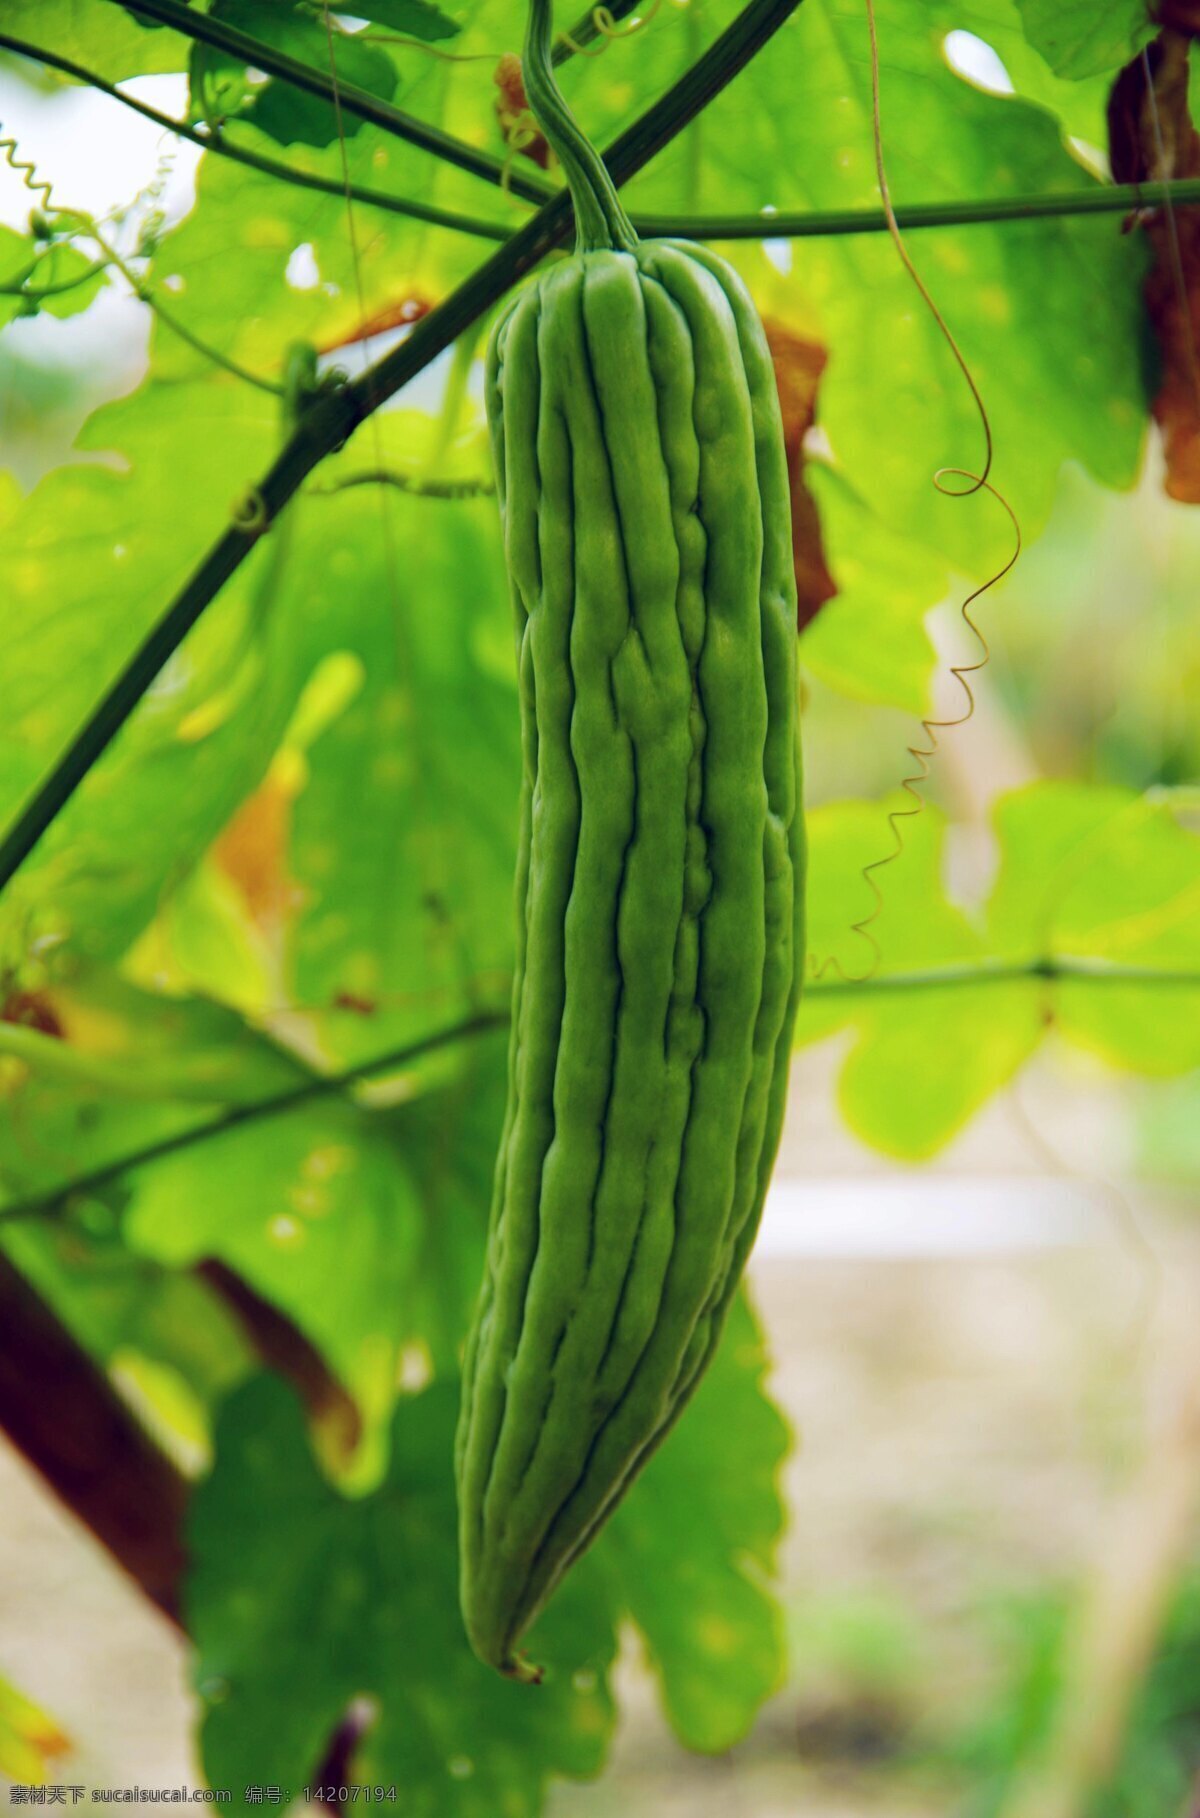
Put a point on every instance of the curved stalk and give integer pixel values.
(600, 220)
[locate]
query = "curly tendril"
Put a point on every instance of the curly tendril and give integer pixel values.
(250, 514)
(607, 28)
(26, 169)
(951, 483)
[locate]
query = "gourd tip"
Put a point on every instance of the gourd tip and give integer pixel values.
(524, 1671)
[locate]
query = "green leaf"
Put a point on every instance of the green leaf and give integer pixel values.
(415, 18)
(922, 1062)
(365, 1227)
(1048, 313)
(712, 1627)
(365, 1591)
(300, 1601)
(319, 1215)
(448, 1139)
(56, 280)
(73, 609)
(70, 281)
(870, 641)
(167, 1332)
(414, 915)
(231, 259)
(125, 1070)
(1080, 37)
(1110, 873)
(221, 86)
(102, 36)
(1083, 872)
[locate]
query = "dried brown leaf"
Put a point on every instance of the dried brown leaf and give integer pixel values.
(517, 124)
(1152, 139)
(799, 363)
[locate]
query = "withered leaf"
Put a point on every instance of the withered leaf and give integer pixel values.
(799, 363)
(1152, 139)
(400, 314)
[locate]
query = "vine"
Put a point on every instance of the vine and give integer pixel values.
(472, 487)
(204, 29)
(335, 415)
(781, 224)
(951, 483)
(32, 1047)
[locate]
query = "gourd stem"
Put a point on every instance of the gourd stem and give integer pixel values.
(600, 220)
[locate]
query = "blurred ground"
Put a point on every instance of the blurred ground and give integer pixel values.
(972, 1383)
(974, 1387)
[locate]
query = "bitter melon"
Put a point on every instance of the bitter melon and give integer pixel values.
(644, 496)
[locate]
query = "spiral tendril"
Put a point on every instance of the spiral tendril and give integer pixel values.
(608, 30)
(945, 481)
(26, 169)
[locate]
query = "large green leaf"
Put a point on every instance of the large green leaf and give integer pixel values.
(99, 34)
(404, 840)
(415, 18)
(365, 1591)
(1083, 872)
(922, 1062)
(1047, 313)
(365, 1227)
(869, 641)
(711, 1625)
(92, 557)
(124, 1069)
(1114, 875)
(221, 86)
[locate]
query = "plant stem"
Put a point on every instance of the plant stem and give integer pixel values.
(812, 224)
(1050, 968)
(600, 221)
(1092, 972)
(211, 141)
(167, 317)
(21, 287)
(319, 1085)
(334, 416)
(785, 224)
(412, 484)
(352, 100)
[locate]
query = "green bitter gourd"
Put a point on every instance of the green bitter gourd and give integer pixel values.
(644, 495)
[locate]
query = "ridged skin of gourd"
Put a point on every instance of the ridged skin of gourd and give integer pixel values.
(659, 891)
